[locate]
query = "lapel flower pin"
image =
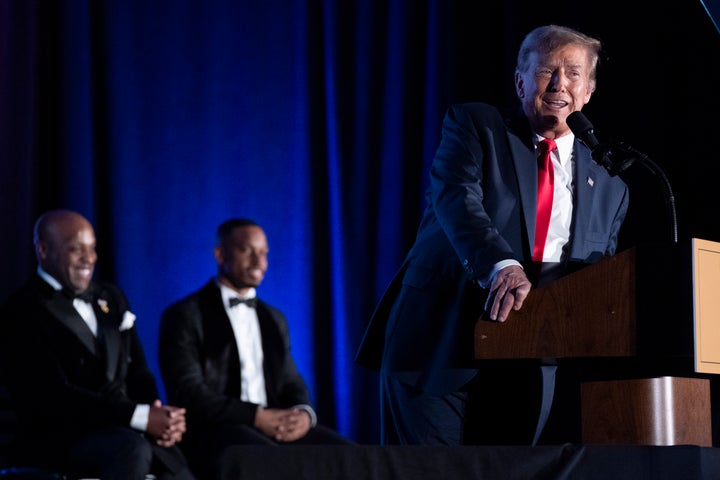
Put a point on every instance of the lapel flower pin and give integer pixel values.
(128, 321)
(103, 305)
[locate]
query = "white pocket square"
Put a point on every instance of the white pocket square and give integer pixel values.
(128, 321)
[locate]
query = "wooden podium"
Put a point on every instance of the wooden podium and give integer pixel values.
(657, 305)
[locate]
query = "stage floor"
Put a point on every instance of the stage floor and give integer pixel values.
(563, 462)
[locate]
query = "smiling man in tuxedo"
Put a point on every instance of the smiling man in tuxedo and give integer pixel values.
(86, 402)
(225, 356)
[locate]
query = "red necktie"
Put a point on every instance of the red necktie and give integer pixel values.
(546, 181)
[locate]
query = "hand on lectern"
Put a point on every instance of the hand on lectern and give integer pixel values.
(508, 291)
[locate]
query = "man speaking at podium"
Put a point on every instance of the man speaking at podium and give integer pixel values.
(514, 199)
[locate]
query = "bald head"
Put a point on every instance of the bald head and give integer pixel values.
(65, 248)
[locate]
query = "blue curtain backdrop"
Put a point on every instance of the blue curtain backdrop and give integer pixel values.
(160, 119)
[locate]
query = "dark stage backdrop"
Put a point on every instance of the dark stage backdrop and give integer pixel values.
(160, 119)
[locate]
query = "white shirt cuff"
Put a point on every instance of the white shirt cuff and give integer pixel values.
(139, 420)
(486, 282)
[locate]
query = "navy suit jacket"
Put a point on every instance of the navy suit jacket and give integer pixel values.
(200, 363)
(481, 206)
(65, 383)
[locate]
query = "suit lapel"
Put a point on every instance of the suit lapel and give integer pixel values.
(524, 162)
(108, 336)
(526, 171)
(62, 309)
(219, 338)
(272, 343)
(220, 333)
(587, 174)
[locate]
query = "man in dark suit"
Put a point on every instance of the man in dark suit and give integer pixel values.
(225, 357)
(87, 404)
(474, 254)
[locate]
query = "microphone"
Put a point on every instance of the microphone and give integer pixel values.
(602, 153)
(584, 130)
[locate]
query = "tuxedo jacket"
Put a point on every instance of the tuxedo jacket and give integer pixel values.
(64, 381)
(200, 363)
(481, 205)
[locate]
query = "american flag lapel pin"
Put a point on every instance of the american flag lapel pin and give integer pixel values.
(590, 181)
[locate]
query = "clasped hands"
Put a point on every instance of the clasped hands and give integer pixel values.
(282, 424)
(166, 424)
(508, 291)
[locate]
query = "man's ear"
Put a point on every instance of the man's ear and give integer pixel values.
(519, 86)
(41, 250)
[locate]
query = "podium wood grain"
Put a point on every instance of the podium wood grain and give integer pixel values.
(647, 411)
(589, 313)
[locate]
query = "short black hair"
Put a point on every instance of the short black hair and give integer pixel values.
(226, 227)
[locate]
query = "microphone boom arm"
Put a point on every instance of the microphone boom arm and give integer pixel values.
(605, 153)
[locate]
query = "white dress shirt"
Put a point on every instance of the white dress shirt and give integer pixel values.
(561, 216)
(244, 322)
(246, 328)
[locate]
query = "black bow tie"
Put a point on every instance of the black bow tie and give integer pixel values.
(250, 302)
(85, 296)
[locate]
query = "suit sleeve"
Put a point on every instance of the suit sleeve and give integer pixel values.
(457, 179)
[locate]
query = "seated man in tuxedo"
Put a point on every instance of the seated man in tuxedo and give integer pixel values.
(225, 357)
(86, 402)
